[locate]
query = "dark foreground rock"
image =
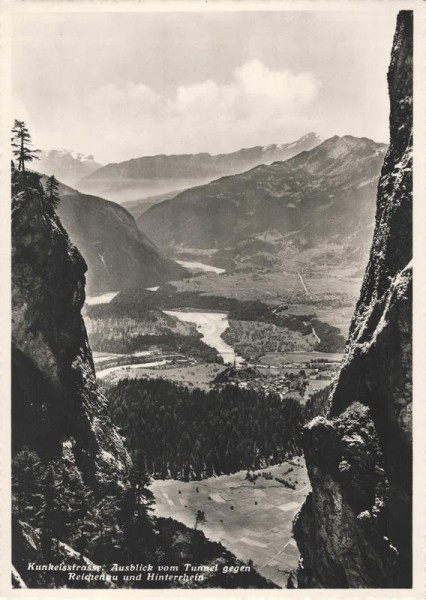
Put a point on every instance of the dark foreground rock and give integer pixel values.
(56, 401)
(355, 528)
(78, 503)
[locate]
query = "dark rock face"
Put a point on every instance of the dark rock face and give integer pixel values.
(355, 528)
(56, 404)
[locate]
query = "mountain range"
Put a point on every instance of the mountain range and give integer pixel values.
(67, 166)
(139, 178)
(116, 251)
(323, 194)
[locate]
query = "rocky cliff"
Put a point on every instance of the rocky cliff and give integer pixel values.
(56, 403)
(354, 529)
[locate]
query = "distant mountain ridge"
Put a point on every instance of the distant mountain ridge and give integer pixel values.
(67, 166)
(154, 175)
(327, 192)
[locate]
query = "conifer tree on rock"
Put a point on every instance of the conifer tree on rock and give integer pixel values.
(51, 189)
(21, 144)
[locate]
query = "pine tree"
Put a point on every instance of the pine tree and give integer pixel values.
(136, 503)
(140, 480)
(21, 144)
(26, 485)
(50, 518)
(200, 517)
(106, 543)
(51, 190)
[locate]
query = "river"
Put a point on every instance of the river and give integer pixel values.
(211, 325)
(199, 266)
(101, 299)
(103, 372)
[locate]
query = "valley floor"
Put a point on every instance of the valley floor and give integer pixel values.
(252, 520)
(200, 375)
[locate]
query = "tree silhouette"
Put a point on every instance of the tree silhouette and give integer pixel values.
(21, 144)
(200, 517)
(49, 513)
(135, 519)
(27, 485)
(51, 189)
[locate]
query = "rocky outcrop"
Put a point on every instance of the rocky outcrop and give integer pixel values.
(56, 403)
(354, 529)
(27, 549)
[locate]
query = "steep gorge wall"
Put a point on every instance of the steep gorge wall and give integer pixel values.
(56, 405)
(354, 529)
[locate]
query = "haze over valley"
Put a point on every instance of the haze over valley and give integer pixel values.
(147, 176)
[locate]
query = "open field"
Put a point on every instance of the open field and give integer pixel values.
(314, 385)
(192, 376)
(279, 359)
(243, 286)
(253, 520)
(268, 285)
(340, 317)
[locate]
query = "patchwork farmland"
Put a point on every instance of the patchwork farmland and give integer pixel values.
(252, 519)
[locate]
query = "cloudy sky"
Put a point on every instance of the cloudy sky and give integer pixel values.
(120, 85)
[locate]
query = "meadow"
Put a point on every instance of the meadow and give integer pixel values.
(252, 520)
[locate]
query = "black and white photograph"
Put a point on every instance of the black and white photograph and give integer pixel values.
(211, 297)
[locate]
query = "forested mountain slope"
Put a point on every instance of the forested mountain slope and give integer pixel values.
(117, 253)
(324, 194)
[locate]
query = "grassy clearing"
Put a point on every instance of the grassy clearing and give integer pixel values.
(193, 376)
(280, 359)
(258, 527)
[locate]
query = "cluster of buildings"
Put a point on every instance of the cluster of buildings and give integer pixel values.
(298, 380)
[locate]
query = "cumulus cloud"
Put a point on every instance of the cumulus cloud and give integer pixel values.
(258, 105)
(283, 86)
